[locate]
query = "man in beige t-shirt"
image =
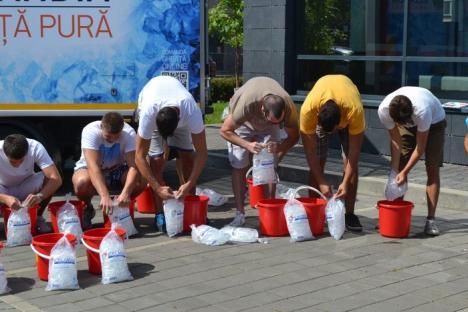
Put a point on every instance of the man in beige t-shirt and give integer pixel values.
(257, 113)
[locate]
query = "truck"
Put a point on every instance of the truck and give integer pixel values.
(64, 63)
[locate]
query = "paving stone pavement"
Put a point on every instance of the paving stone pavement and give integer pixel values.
(361, 272)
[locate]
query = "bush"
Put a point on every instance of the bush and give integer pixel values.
(222, 88)
(216, 116)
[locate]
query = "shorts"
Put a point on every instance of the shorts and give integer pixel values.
(239, 157)
(180, 140)
(323, 141)
(113, 177)
(434, 150)
(31, 185)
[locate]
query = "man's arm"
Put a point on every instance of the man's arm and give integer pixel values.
(310, 148)
(351, 169)
(142, 148)
(132, 177)
(227, 132)
(10, 201)
(53, 182)
(201, 154)
(421, 141)
(395, 148)
(93, 158)
(95, 173)
(466, 144)
(291, 140)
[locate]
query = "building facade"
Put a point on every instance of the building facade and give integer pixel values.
(380, 44)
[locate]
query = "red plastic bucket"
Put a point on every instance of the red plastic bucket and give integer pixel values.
(271, 217)
(131, 206)
(42, 246)
(195, 210)
(55, 206)
(315, 209)
(92, 240)
(32, 215)
(255, 193)
(145, 201)
(395, 218)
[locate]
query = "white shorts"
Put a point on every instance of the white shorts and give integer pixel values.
(30, 185)
(239, 157)
(180, 140)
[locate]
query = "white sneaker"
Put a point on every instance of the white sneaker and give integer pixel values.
(239, 220)
(42, 225)
(431, 228)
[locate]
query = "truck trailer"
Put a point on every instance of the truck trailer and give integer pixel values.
(64, 63)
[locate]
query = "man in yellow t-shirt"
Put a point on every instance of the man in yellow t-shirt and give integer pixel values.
(334, 105)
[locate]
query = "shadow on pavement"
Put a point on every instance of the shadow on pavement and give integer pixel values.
(20, 284)
(417, 227)
(140, 270)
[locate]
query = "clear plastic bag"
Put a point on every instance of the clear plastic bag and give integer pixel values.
(215, 199)
(113, 259)
(263, 170)
(4, 289)
(207, 235)
(68, 220)
(297, 220)
(174, 214)
(19, 228)
(392, 189)
(120, 218)
(335, 212)
(62, 266)
(241, 235)
(282, 191)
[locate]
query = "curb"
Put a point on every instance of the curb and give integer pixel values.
(448, 198)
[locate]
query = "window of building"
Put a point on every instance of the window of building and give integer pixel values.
(382, 45)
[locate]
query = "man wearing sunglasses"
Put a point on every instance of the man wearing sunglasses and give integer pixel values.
(334, 106)
(257, 113)
(170, 125)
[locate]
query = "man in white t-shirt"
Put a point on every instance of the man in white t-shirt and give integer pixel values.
(414, 117)
(107, 164)
(170, 124)
(19, 184)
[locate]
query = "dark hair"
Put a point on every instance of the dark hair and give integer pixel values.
(167, 120)
(401, 109)
(329, 116)
(273, 104)
(112, 122)
(15, 146)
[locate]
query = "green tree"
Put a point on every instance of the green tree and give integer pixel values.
(324, 24)
(226, 19)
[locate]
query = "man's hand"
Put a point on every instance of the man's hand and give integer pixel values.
(106, 204)
(401, 178)
(183, 190)
(326, 190)
(164, 192)
(33, 199)
(123, 199)
(254, 147)
(12, 202)
(272, 147)
(342, 191)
